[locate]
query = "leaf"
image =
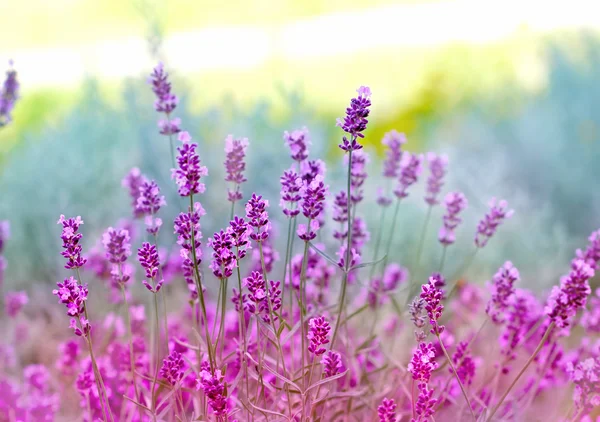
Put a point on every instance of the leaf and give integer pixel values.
(260, 409)
(324, 255)
(326, 380)
(357, 312)
(367, 264)
(277, 374)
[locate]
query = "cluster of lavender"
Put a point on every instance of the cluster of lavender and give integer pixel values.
(261, 335)
(8, 96)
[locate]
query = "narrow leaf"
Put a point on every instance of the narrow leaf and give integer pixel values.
(326, 380)
(323, 254)
(367, 264)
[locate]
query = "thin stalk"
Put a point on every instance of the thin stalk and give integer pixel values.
(422, 238)
(287, 258)
(131, 354)
(302, 308)
(460, 384)
(171, 140)
(461, 271)
(443, 259)
(392, 230)
(522, 371)
(378, 241)
(243, 333)
(164, 300)
(156, 357)
(220, 339)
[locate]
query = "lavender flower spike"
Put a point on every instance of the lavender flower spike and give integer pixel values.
(455, 203)
(298, 141)
(432, 294)
(189, 171)
(387, 410)
(355, 121)
(394, 141)
(166, 101)
(489, 224)
(435, 181)
(502, 290)
(235, 152)
(148, 257)
(410, 169)
(8, 96)
(71, 237)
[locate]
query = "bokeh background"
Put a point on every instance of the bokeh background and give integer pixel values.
(508, 89)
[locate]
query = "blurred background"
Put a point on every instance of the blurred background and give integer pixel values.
(508, 89)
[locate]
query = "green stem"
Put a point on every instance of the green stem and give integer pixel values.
(131, 354)
(443, 259)
(392, 230)
(302, 308)
(422, 238)
(156, 357)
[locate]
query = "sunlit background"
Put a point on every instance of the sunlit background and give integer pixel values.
(508, 89)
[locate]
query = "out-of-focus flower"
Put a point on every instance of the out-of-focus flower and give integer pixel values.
(189, 171)
(411, 166)
(15, 302)
(8, 95)
(435, 181)
(235, 153)
(455, 203)
(298, 141)
(489, 224)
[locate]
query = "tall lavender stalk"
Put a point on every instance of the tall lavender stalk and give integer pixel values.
(8, 96)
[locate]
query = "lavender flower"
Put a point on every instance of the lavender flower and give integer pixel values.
(224, 260)
(166, 101)
(317, 335)
(433, 295)
(422, 363)
(355, 121)
(298, 141)
(256, 213)
(312, 204)
(214, 390)
(169, 126)
(387, 410)
(15, 302)
(435, 181)
(8, 96)
(235, 152)
(310, 169)
(489, 224)
(189, 171)
(425, 403)
(393, 154)
(586, 377)
(133, 182)
(416, 310)
(148, 257)
(74, 295)
(464, 363)
(455, 203)
(257, 290)
(502, 290)
(564, 301)
(71, 238)
(291, 184)
(239, 231)
(410, 169)
(172, 368)
(117, 244)
(187, 223)
(332, 363)
(340, 214)
(358, 175)
(591, 254)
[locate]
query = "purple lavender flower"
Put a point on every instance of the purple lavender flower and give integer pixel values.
(188, 174)
(358, 175)
(425, 403)
(166, 101)
(235, 153)
(312, 204)
(223, 261)
(256, 213)
(85, 381)
(564, 301)
(423, 362)
(169, 126)
(133, 182)
(355, 121)
(332, 363)
(186, 223)
(240, 234)
(270, 256)
(117, 244)
(416, 310)
(257, 290)
(586, 377)
(15, 302)
(310, 169)
(298, 141)
(502, 290)
(464, 363)
(317, 335)
(71, 237)
(591, 254)
(410, 169)
(291, 184)
(148, 257)
(149, 202)
(340, 214)
(433, 295)
(393, 154)
(8, 96)
(172, 368)
(74, 295)
(387, 410)
(455, 203)
(68, 354)
(435, 181)
(489, 224)
(214, 390)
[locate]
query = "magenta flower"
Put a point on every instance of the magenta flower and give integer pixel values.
(214, 390)
(340, 215)
(166, 101)
(464, 363)
(67, 361)
(223, 262)
(169, 126)
(74, 295)
(235, 153)
(423, 362)
(189, 171)
(310, 169)
(502, 290)
(133, 182)
(312, 204)
(257, 291)
(291, 184)
(8, 96)
(71, 238)
(435, 181)
(258, 217)
(387, 410)
(186, 223)
(432, 294)
(355, 121)
(591, 254)
(425, 403)
(393, 154)
(148, 257)
(564, 301)
(489, 224)
(332, 363)
(298, 141)
(117, 244)
(410, 169)
(15, 302)
(586, 377)
(455, 203)
(172, 368)
(317, 335)
(240, 231)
